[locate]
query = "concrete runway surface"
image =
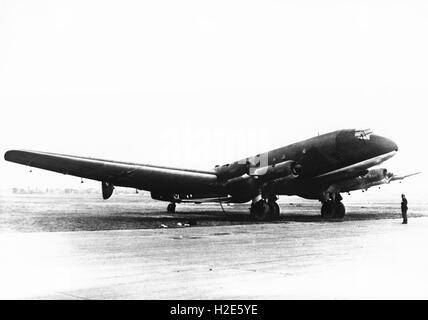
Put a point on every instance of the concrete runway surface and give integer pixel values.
(299, 257)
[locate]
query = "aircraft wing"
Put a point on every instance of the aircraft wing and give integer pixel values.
(223, 199)
(354, 169)
(123, 174)
(395, 177)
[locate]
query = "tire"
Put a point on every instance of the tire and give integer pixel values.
(261, 211)
(274, 210)
(171, 208)
(328, 209)
(340, 210)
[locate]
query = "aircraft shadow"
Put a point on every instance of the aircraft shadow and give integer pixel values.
(156, 220)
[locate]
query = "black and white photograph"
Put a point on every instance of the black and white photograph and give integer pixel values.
(213, 150)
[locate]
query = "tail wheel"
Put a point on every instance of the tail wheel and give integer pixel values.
(260, 211)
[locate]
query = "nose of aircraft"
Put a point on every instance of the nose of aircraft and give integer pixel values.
(384, 145)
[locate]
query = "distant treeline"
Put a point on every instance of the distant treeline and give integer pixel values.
(67, 191)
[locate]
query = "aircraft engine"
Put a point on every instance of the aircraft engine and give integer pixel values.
(371, 178)
(242, 188)
(245, 187)
(230, 171)
(280, 170)
(375, 175)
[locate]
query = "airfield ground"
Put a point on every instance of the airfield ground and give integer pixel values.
(80, 247)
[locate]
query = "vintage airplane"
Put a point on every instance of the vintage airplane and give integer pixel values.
(318, 168)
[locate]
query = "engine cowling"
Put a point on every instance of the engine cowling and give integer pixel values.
(280, 170)
(245, 187)
(375, 175)
(230, 171)
(371, 178)
(242, 188)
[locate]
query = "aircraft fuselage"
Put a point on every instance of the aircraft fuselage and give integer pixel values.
(317, 156)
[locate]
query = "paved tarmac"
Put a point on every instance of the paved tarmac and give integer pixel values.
(290, 259)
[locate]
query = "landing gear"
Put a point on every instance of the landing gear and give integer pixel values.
(328, 209)
(340, 210)
(274, 210)
(333, 208)
(263, 210)
(260, 210)
(171, 208)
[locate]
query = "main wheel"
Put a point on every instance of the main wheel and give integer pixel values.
(260, 211)
(171, 208)
(340, 210)
(274, 210)
(328, 209)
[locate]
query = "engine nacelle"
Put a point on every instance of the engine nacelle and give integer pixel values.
(230, 171)
(242, 188)
(245, 186)
(375, 175)
(279, 170)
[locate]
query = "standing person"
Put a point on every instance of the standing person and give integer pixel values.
(404, 208)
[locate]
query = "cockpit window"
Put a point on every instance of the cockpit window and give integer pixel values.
(363, 134)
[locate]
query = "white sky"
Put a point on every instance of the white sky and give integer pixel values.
(198, 83)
